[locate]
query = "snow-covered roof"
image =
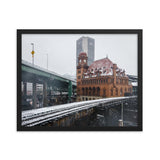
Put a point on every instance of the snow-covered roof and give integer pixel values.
(102, 64)
(134, 84)
(104, 67)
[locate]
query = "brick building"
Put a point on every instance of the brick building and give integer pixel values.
(101, 79)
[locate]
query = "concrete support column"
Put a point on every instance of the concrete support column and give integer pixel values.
(24, 88)
(34, 95)
(69, 91)
(45, 100)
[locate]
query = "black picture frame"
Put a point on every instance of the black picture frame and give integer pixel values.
(79, 31)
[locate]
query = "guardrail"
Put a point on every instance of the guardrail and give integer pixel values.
(42, 115)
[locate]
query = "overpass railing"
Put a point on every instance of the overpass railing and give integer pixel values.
(42, 115)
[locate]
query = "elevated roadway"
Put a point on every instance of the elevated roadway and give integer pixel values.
(54, 113)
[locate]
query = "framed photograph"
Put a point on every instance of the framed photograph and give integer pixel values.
(79, 80)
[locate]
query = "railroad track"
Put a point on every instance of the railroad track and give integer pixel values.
(39, 116)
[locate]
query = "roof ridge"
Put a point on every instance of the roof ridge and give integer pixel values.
(101, 59)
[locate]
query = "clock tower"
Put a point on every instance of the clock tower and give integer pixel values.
(81, 68)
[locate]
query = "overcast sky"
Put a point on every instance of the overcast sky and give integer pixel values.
(61, 49)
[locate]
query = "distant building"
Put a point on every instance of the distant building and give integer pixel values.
(133, 79)
(135, 88)
(87, 45)
(100, 79)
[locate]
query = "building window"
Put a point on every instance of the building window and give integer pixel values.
(117, 80)
(82, 91)
(79, 77)
(104, 92)
(87, 91)
(116, 91)
(78, 91)
(79, 71)
(94, 91)
(98, 91)
(121, 92)
(111, 92)
(106, 80)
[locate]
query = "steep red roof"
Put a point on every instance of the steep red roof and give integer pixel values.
(103, 65)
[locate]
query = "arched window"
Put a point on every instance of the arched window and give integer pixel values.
(111, 80)
(82, 91)
(98, 91)
(90, 90)
(94, 91)
(78, 91)
(86, 91)
(121, 92)
(116, 91)
(117, 80)
(104, 92)
(112, 92)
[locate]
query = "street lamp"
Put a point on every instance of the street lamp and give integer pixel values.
(32, 53)
(121, 120)
(47, 60)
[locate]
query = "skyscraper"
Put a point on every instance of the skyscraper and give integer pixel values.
(85, 44)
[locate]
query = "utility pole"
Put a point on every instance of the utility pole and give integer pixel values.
(122, 112)
(32, 53)
(121, 120)
(47, 61)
